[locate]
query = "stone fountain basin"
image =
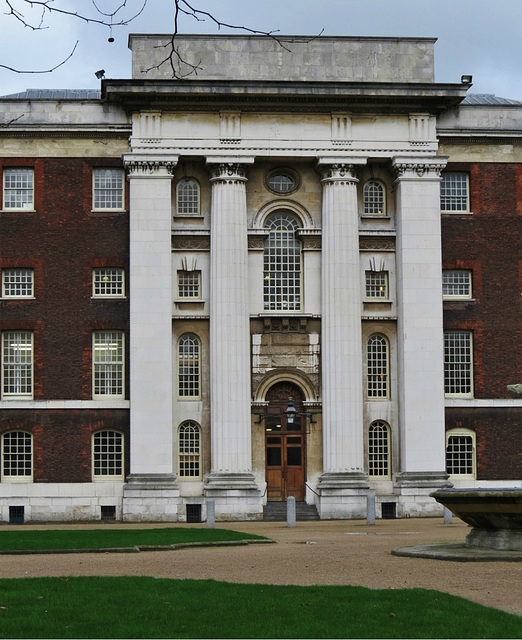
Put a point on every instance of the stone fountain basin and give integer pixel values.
(494, 514)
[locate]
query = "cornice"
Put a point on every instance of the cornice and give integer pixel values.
(50, 132)
(258, 96)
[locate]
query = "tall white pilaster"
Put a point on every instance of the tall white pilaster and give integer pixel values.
(231, 455)
(343, 442)
(420, 329)
(151, 482)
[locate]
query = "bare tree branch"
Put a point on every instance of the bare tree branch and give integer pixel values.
(56, 66)
(92, 14)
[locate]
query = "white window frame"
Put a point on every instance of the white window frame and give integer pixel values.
(379, 450)
(189, 285)
(108, 282)
(18, 196)
(455, 282)
(22, 459)
(377, 286)
(188, 198)
(458, 363)
(189, 450)
(377, 367)
(374, 198)
(17, 283)
(108, 189)
(108, 364)
(189, 367)
(108, 454)
(282, 264)
(467, 455)
(454, 192)
(17, 365)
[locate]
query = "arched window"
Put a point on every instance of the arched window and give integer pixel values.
(187, 197)
(374, 196)
(460, 452)
(379, 449)
(107, 455)
(377, 367)
(282, 264)
(189, 446)
(189, 366)
(17, 456)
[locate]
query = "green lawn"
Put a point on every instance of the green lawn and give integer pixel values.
(137, 607)
(51, 539)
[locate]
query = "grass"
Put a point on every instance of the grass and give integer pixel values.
(138, 607)
(44, 540)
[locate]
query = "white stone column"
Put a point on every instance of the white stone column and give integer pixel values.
(230, 420)
(343, 441)
(420, 330)
(151, 485)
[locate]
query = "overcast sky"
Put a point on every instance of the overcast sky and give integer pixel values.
(478, 37)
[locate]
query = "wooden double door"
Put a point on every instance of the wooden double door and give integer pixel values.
(285, 446)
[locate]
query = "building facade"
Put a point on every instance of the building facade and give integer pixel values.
(296, 273)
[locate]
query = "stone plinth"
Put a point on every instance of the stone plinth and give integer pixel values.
(494, 514)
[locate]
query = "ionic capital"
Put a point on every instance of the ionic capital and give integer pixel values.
(145, 165)
(415, 168)
(226, 169)
(339, 169)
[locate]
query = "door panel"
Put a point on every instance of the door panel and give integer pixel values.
(285, 467)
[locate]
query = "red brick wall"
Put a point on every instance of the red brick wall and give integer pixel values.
(489, 241)
(63, 240)
(498, 434)
(62, 440)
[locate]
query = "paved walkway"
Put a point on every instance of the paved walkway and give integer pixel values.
(334, 552)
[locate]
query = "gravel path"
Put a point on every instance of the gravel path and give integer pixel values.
(337, 552)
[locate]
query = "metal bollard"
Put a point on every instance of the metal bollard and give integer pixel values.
(370, 508)
(211, 514)
(290, 512)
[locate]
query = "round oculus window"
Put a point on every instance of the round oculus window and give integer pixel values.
(282, 181)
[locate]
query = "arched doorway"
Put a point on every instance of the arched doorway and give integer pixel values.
(285, 444)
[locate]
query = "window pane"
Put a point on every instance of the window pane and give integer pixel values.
(378, 450)
(374, 199)
(108, 188)
(17, 283)
(454, 195)
(189, 284)
(459, 455)
(188, 366)
(458, 358)
(108, 354)
(17, 363)
(282, 264)
(189, 442)
(187, 198)
(17, 454)
(18, 189)
(377, 284)
(456, 283)
(281, 182)
(108, 283)
(108, 453)
(377, 364)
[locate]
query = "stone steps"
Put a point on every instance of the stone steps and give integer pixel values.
(276, 512)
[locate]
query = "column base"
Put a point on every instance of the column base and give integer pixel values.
(236, 496)
(414, 488)
(343, 496)
(151, 497)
